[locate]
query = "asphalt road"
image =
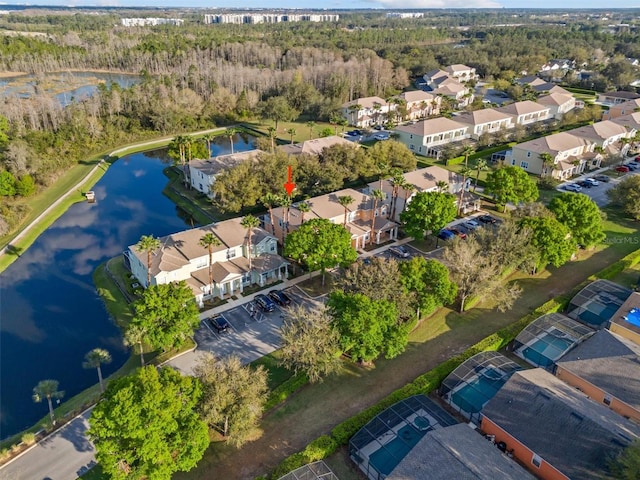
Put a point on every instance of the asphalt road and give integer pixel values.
(599, 193)
(65, 455)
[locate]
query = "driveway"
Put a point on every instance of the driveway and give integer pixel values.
(599, 193)
(249, 338)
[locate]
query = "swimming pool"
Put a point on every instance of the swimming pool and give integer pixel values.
(546, 350)
(385, 459)
(475, 394)
(597, 314)
(633, 317)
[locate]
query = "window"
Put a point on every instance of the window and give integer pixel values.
(272, 247)
(525, 165)
(536, 460)
(411, 136)
(528, 154)
(201, 263)
(513, 162)
(231, 253)
(607, 399)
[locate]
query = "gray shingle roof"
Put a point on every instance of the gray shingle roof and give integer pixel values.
(609, 362)
(459, 453)
(562, 425)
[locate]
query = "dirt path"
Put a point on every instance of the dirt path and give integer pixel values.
(304, 417)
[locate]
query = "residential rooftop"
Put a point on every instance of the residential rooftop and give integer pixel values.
(222, 163)
(432, 126)
(522, 108)
(315, 146)
(558, 142)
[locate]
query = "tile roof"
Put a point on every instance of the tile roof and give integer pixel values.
(458, 67)
(457, 452)
(631, 121)
(561, 424)
(522, 108)
(485, 115)
(417, 96)
(558, 142)
(555, 99)
(600, 130)
(432, 126)
(423, 179)
(610, 362)
(365, 102)
(220, 163)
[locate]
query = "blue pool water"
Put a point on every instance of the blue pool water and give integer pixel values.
(388, 457)
(633, 317)
(473, 396)
(544, 351)
(598, 319)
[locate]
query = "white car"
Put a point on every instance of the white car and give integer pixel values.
(573, 187)
(592, 181)
(471, 224)
(381, 136)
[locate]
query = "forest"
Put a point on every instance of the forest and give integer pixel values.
(200, 76)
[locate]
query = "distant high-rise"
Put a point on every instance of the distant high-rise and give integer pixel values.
(405, 15)
(253, 18)
(142, 22)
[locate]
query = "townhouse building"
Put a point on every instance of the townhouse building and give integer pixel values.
(487, 120)
(202, 173)
(422, 137)
(526, 112)
(421, 104)
(367, 112)
(558, 103)
(621, 109)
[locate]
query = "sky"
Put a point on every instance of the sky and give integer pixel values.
(210, 5)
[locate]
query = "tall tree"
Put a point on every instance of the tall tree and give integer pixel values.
(168, 313)
(552, 239)
(135, 335)
(627, 195)
(233, 396)
(481, 164)
(208, 241)
(429, 281)
(94, 359)
(250, 222)
(208, 139)
(310, 344)
(511, 185)
(465, 172)
(285, 202)
(47, 389)
(146, 425)
(397, 181)
(376, 197)
(320, 244)
(626, 465)
(394, 154)
(269, 200)
(278, 109)
(273, 133)
(368, 328)
(303, 207)
(148, 244)
(428, 212)
(547, 161)
(310, 124)
(345, 201)
(292, 133)
(580, 214)
(230, 133)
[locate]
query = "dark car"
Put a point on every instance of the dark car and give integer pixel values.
(378, 127)
(280, 298)
(585, 184)
(445, 234)
(458, 233)
(400, 251)
(486, 219)
(353, 133)
(631, 166)
(264, 303)
(220, 323)
(603, 178)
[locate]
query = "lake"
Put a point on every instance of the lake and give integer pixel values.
(51, 314)
(63, 86)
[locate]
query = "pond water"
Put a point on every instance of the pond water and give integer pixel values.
(63, 86)
(51, 314)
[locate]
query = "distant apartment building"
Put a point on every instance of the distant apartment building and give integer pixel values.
(450, 83)
(203, 173)
(367, 111)
(405, 15)
(255, 18)
(461, 72)
(420, 104)
(145, 22)
(422, 137)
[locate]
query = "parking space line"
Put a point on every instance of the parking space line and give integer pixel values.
(206, 324)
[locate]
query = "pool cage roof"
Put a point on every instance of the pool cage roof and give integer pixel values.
(495, 367)
(312, 471)
(603, 292)
(547, 328)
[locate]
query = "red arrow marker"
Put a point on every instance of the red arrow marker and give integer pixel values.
(289, 186)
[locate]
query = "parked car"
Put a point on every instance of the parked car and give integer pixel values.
(353, 133)
(220, 323)
(622, 168)
(603, 178)
(280, 298)
(593, 182)
(381, 136)
(445, 234)
(264, 303)
(573, 187)
(457, 232)
(632, 166)
(585, 184)
(486, 219)
(400, 251)
(471, 225)
(378, 127)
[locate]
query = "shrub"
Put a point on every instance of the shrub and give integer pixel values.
(29, 438)
(286, 388)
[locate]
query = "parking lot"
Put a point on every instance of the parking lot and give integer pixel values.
(248, 336)
(598, 193)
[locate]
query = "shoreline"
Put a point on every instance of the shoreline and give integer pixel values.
(68, 70)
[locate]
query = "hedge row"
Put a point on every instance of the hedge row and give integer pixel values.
(286, 388)
(424, 384)
(616, 268)
(481, 153)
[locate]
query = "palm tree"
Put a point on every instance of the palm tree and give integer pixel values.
(285, 203)
(408, 188)
(311, 124)
(345, 201)
(208, 138)
(47, 389)
(376, 195)
(94, 359)
(354, 109)
(383, 169)
(334, 119)
(182, 141)
(230, 133)
(269, 200)
(292, 132)
(397, 179)
(303, 207)
(149, 244)
(273, 133)
(442, 186)
(249, 222)
(135, 335)
(468, 150)
(343, 122)
(465, 172)
(547, 159)
(481, 164)
(208, 241)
